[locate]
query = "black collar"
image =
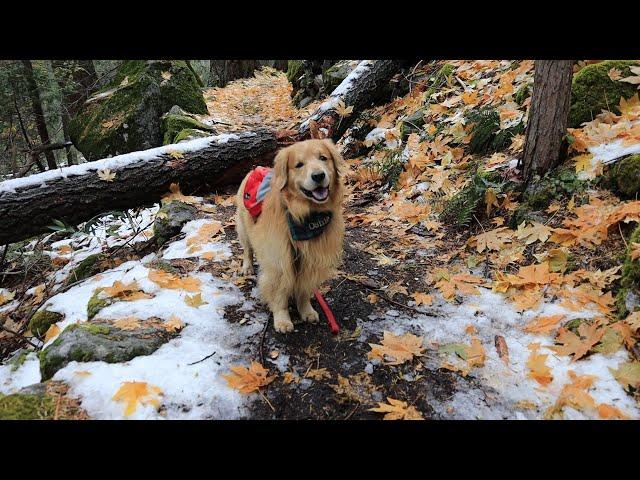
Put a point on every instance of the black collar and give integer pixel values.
(311, 227)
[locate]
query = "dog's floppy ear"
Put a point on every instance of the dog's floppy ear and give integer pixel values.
(338, 162)
(281, 169)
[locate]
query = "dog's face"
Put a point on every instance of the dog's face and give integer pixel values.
(309, 170)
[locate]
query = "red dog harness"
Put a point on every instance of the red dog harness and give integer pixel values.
(257, 186)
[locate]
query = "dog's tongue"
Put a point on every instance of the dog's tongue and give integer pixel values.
(320, 193)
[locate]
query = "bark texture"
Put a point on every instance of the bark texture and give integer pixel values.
(28, 211)
(547, 123)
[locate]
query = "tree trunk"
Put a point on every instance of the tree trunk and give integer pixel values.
(76, 194)
(36, 104)
(225, 71)
(545, 142)
(62, 78)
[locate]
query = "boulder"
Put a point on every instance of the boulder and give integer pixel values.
(171, 218)
(42, 320)
(101, 341)
(125, 115)
(623, 177)
(593, 91)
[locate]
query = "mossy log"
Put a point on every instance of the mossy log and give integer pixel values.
(76, 194)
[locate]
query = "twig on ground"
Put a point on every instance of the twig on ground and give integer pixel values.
(622, 236)
(203, 359)
(351, 413)
(19, 335)
(266, 400)
(262, 338)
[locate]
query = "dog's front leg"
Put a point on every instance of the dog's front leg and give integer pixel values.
(306, 311)
(276, 292)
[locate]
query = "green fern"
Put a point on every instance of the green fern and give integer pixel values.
(485, 124)
(460, 209)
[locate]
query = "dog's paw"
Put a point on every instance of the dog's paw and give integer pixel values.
(282, 323)
(310, 315)
(247, 270)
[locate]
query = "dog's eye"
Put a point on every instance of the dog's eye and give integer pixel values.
(323, 158)
(299, 165)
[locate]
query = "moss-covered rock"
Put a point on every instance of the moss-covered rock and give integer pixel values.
(593, 91)
(294, 69)
(174, 125)
(95, 303)
(624, 177)
(19, 406)
(628, 296)
(101, 341)
(125, 115)
(171, 218)
(86, 268)
(42, 320)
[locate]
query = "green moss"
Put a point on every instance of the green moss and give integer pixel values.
(94, 329)
(172, 125)
(26, 407)
(593, 91)
(17, 362)
(84, 269)
(127, 117)
(189, 133)
(413, 122)
(163, 265)
(293, 70)
(522, 93)
(624, 177)
(559, 183)
(95, 304)
(42, 320)
(630, 279)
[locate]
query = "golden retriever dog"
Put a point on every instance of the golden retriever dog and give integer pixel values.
(306, 189)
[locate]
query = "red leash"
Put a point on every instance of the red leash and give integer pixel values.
(333, 325)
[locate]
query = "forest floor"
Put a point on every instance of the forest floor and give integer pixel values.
(437, 321)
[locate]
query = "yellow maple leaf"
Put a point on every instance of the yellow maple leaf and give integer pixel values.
(397, 410)
(106, 175)
(609, 412)
(627, 374)
(195, 301)
(634, 79)
(583, 162)
(578, 345)
(176, 195)
(422, 298)
(635, 250)
(174, 282)
(543, 324)
(248, 380)
(175, 154)
(342, 109)
(533, 233)
(6, 296)
(574, 395)
(538, 369)
(51, 333)
(173, 324)
(127, 323)
(491, 200)
(133, 393)
(396, 349)
(614, 74)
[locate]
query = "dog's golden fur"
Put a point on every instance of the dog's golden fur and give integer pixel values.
(288, 268)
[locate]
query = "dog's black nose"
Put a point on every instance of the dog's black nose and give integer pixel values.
(318, 177)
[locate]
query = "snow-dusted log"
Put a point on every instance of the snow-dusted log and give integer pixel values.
(78, 193)
(365, 85)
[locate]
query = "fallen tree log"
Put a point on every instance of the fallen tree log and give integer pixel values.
(77, 193)
(365, 85)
